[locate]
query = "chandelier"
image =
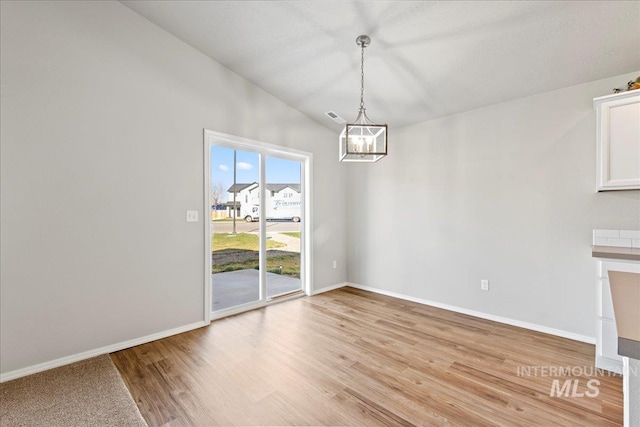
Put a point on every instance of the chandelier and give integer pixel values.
(362, 140)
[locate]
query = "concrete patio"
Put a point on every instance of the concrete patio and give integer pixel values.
(238, 287)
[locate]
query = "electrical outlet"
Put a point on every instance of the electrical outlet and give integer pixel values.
(484, 285)
(335, 264)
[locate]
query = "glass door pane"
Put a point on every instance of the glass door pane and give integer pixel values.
(283, 214)
(235, 230)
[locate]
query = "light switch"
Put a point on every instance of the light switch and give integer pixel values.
(192, 216)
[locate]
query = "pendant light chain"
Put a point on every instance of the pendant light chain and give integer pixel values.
(362, 79)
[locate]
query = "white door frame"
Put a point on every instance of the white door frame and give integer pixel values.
(264, 149)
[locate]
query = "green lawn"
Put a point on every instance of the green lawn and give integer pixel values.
(248, 241)
(290, 265)
(292, 233)
(233, 252)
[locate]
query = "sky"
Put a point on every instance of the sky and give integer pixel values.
(277, 170)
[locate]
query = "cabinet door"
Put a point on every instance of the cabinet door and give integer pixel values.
(606, 306)
(618, 141)
(609, 348)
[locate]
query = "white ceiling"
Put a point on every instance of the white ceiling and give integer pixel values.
(426, 60)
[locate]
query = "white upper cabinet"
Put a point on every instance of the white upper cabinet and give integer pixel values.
(618, 141)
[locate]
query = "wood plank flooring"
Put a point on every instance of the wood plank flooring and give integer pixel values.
(354, 358)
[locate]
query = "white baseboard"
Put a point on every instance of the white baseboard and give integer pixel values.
(97, 352)
(119, 346)
(609, 364)
(505, 320)
(143, 340)
(329, 288)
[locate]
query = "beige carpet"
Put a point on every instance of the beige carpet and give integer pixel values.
(86, 393)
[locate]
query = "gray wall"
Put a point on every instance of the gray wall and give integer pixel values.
(102, 153)
(505, 193)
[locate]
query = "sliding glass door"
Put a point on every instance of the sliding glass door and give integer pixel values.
(257, 231)
(283, 200)
(235, 239)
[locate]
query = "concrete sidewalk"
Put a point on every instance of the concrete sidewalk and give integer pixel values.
(292, 244)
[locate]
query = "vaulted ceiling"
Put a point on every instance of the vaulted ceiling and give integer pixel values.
(426, 60)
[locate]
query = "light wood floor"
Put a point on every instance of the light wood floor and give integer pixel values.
(350, 357)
